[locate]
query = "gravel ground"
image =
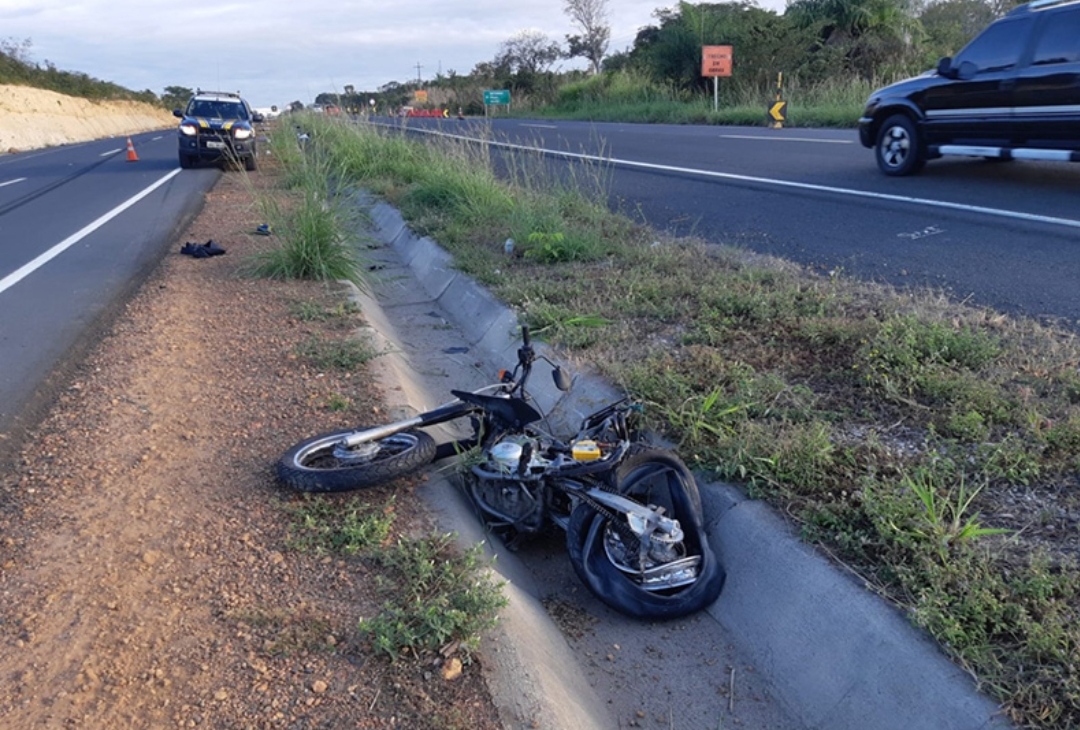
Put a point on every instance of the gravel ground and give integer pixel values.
(146, 574)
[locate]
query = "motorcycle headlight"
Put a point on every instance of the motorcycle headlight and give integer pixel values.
(242, 132)
(188, 129)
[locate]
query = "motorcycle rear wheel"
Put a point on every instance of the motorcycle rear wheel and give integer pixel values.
(651, 477)
(313, 465)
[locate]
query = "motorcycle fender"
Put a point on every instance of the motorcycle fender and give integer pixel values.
(378, 432)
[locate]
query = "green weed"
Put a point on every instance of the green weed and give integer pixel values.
(944, 521)
(313, 226)
(308, 310)
(435, 595)
(321, 525)
(337, 402)
(343, 354)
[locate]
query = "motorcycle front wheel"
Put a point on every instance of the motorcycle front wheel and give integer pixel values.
(650, 477)
(323, 464)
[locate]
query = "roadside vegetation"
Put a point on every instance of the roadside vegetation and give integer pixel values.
(930, 446)
(436, 599)
(632, 96)
(822, 57)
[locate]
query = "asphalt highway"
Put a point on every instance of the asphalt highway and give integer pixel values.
(80, 228)
(1002, 235)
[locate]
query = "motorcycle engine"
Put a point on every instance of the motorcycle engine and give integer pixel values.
(498, 490)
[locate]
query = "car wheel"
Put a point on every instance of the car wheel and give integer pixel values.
(249, 163)
(187, 161)
(899, 150)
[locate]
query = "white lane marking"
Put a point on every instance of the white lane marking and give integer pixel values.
(983, 210)
(111, 152)
(155, 139)
(26, 269)
(12, 182)
(786, 139)
(539, 126)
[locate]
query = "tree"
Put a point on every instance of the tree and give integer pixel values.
(590, 16)
(870, 33)
(175, 97)
(17, 50)
(524, 63)
(528, 52)
(763, 42)
(950, 24)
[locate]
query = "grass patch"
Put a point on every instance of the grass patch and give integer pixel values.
(933, 446)
(310, 310)
(433, 593)
(340, 354)
(435, 596)
(321, 525)
(628, 96)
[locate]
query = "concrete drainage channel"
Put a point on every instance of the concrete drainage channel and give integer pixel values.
(791, 643)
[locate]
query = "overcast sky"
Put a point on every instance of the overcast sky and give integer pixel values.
(279, 51)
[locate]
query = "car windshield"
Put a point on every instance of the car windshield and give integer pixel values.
(217, 110)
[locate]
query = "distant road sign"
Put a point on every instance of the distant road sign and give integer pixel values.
(716, 60)
(501, 96)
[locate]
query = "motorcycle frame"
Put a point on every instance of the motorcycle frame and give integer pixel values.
(456, 408)
(449, 411)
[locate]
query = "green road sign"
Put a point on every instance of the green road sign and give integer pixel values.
(501, 96)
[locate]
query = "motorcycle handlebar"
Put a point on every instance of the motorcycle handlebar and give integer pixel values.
(525, 358)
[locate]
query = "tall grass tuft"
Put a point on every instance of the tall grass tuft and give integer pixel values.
(315, 227)
(629, 96)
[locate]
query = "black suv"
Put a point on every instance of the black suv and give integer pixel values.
(217, 126)
(1012, 93)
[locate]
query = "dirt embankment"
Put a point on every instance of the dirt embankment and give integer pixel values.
(32, 118)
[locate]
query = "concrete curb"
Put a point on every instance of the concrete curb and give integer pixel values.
(535, 679)
(838, 657)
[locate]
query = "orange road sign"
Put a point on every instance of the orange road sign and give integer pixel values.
(716, 60)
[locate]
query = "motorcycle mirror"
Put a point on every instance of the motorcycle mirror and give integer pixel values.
(561, 378)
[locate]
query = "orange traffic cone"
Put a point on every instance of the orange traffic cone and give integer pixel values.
(132, 157)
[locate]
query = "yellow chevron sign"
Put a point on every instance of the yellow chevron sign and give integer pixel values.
(778, 111)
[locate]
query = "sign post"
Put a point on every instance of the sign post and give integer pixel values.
(778, 111)
(496, 96)
(716, 62)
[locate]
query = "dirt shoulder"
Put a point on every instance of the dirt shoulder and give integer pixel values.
(147, 577)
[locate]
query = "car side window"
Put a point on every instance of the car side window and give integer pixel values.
(998, 48)
(1059, 41)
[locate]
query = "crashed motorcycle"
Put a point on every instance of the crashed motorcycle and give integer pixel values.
(631, 512)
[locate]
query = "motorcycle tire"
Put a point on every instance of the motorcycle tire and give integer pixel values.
(312, 466)
(649, 476)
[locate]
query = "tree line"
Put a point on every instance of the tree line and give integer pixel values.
(811, 42)
(16, 68)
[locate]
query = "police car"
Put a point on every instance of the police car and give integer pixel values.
(217, 126)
